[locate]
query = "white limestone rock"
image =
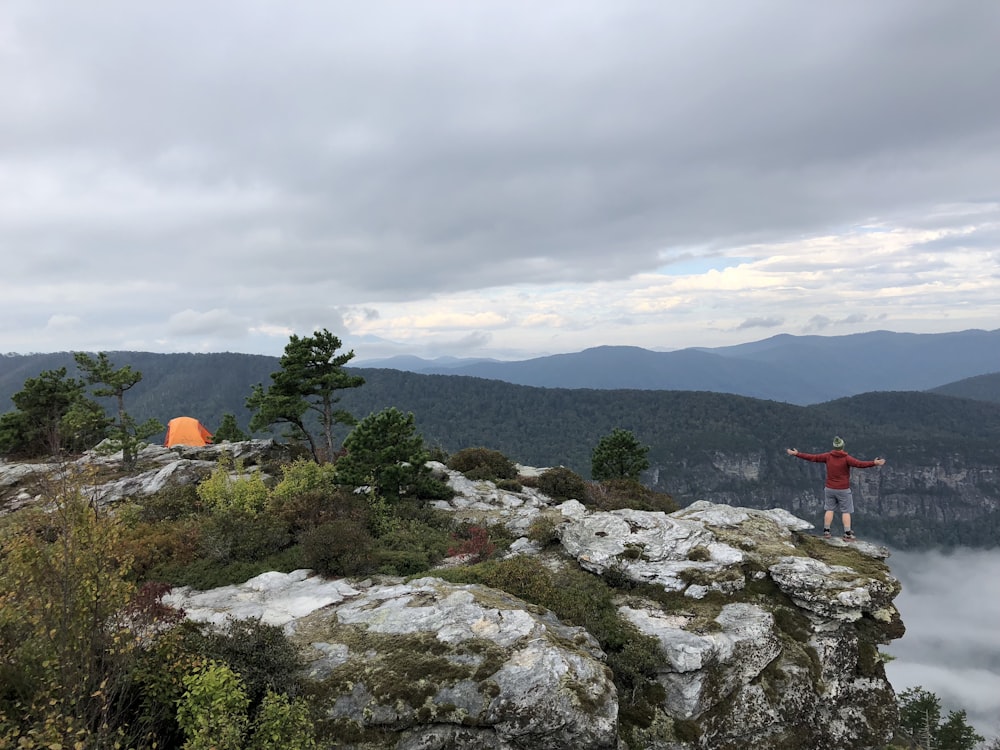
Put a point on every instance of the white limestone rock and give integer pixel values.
(428, 659)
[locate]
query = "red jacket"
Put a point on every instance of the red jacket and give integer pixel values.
(838, 467)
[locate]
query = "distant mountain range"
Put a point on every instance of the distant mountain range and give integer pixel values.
(940, 487)
(795, 369)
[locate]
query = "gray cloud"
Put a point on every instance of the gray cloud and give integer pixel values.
(760, 323)
(257, 157)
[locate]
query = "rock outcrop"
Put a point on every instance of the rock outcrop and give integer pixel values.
(158, 467)
(768, 637)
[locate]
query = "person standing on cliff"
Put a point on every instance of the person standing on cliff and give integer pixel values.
(837, 491)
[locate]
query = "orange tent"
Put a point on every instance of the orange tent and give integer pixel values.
(186, 431)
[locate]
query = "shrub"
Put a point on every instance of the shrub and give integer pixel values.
(172, 502)
(544, 530)
(474, 543)
(222, 491)
(304, 476)
(411, 547)
(307, 510)
(229, 430)
(156, 546)
(339, 548)
(260, 654)
(561, 483)
(283, 723)
(429, 488)
(511, 485)
(237, 535)
(213, 710)
(615, 494)
(483, 463)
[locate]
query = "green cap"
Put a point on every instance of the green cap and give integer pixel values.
(838, 443)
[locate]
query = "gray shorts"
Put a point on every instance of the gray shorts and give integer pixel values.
(841, 500)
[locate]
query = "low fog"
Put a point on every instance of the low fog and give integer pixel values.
(950, 604)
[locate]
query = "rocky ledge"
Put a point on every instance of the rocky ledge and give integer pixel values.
(768, 636)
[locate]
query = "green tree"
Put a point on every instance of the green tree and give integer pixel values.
(307, 384)
(229, 430)
(385, 452)
(53, 414)
(126, 434)
(920, 717)
(619, 455)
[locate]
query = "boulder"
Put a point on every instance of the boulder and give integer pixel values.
(432, 664)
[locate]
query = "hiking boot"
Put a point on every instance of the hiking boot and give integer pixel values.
(826, 533)
(849, 536)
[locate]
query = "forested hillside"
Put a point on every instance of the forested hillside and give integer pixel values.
(980, 388)
(941, 484)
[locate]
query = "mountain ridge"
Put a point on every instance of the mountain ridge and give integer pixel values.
(795, 369)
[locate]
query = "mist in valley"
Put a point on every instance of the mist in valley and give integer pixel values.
(950, 605)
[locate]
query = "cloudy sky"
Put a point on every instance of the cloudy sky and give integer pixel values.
(494, 178)
(950, 607)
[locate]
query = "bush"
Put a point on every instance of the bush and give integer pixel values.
(544, 530)
(304, 476)
(339, 548)
(222, 491)
(411, 547)
(168, 543)
(483, 463)
(260, 654)
(172, 502)
(429, 488)
(615, 494)
(385, 452)
(561, 483)
(236, 535)
(511, 485)
(473, 542)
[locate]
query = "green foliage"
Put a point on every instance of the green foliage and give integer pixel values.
(544, 530)
(342, 547)
(126, 434)
(411, 547)
(482, 463)
(213, 710)
(173, 502)
(234, 535)
(561, 483)
(283, 723)
(230, 488)
(619, 455)
(65, 651)
(259, 653)
(920, 717)
(229, 430)
(308, 382)
(303, 476)
(384, 452)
